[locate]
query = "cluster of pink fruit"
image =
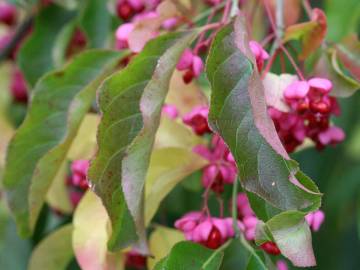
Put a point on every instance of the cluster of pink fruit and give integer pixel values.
(77, 180)
(310, 108)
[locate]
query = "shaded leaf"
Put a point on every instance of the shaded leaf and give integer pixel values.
(91, 234)
(162, 239)
(238, 112)
(349, 54)
(54, 252)
(191, 256)
(69, 4)
(131, 103)
(241, 255)
(14, 251)
(35, 57)
(58, 105)
(95, 20)
(62, 42)
(328, 67)
(168, 166)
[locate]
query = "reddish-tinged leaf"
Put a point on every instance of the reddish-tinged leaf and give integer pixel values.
(311, 33)
(238, 112)
(328, 67)
(349, 54)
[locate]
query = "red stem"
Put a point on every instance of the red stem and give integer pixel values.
(280, 44)
(267, 39)
(269, 64)
(307, 8)
(226, 12)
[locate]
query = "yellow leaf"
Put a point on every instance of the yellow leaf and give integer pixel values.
(58, 194)
(84, 145)
(90, 236)
(184, 96)
(161, 241)
(54, 252)
(168, 166)
(176, 134)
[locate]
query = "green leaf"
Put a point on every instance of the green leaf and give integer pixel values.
(241, 255)
(58, 105)
(95, 20)
(91, 234)
(126, 134)
(14, 251)
(36, 57)
(191, 256)
(68, 4)
(62, 43)
(54, 252)
(328, 67)
(168, 166)
(162, 239)
(238, 113)
(342, 19)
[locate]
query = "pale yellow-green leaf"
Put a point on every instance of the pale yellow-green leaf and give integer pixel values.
(84, 145)
(184, 96)
(173, 133)
(90, 236)
(168, 166)
(54, 252)
(58, 194)
(161, 241)
(5, 97)
(6, 130)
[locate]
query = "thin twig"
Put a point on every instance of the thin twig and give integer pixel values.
(208, 12)
(307, 8)
(278, 29)
(226, 11)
